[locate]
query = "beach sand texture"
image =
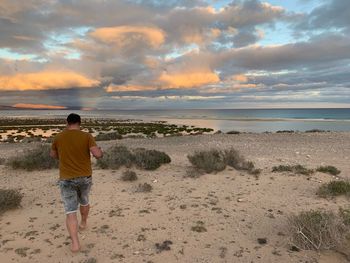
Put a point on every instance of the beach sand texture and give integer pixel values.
(234, 207)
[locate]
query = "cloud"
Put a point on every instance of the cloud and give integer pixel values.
(176, 49)
(46, 80)
(124, 36)
(321, 49)
(330, 14)
(37, 106)
(239, 78)
(188, 79)
(174, 97)
(121, 88)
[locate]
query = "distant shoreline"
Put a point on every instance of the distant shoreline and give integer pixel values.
(264, 120)
(40, 129)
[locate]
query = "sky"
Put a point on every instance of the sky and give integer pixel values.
(174, 54)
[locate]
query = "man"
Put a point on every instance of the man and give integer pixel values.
(73, 147)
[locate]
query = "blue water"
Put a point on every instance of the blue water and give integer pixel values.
(245, 120)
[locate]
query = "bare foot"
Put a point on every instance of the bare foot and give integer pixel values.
(75, 247)
(82, 226)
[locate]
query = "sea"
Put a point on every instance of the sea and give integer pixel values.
(242, 120)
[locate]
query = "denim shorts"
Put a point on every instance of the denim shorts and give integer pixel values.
(75, 192)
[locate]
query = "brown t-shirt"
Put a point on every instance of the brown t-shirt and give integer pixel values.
(73, 148)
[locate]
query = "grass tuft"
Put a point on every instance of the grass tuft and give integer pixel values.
(9, 199)
(34, 159)
(317, 230)
(334, 188)
(199, 227)
(328, 169)
(129, 175)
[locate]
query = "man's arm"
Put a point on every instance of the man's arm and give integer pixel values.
(53, 154)
(96, 152)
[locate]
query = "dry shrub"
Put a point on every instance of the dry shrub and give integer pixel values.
(34, 159)
(334, 188)
(9, 199)
(108, 136)
(216, 161)
(150, 159)
(115, 157)
(118, 156)
(2, 161)
(236, 160)
(317, 230)
(129, 175)
(329, 169)
(144, 188)
(208, 161)
(193, 172)
(298, 169)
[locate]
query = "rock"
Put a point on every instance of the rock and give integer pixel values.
(262, 241)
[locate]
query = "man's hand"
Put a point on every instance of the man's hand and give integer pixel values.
(54, 154)
(96, 152)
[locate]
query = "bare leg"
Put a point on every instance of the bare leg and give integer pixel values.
(72, 226)
(84, 211)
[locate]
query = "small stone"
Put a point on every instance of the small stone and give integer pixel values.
(294, 248)
(262, 241)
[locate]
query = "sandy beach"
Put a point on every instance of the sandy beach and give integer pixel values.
(235, 208)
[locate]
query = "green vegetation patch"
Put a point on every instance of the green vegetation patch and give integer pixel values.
(328, 169)
(297, 169)
(334, 188)
(34, 159)
(9, 199)
(317, 230)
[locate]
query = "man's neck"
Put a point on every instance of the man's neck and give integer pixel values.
(73, 127)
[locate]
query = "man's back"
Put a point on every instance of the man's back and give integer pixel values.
(73, 148)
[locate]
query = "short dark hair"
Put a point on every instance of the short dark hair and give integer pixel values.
(73, 118)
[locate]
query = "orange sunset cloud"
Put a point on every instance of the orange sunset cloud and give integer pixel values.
(120, 88)
(46, 80)
(240, 78)
(37, 106)
(189, 79)
(124, 35)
